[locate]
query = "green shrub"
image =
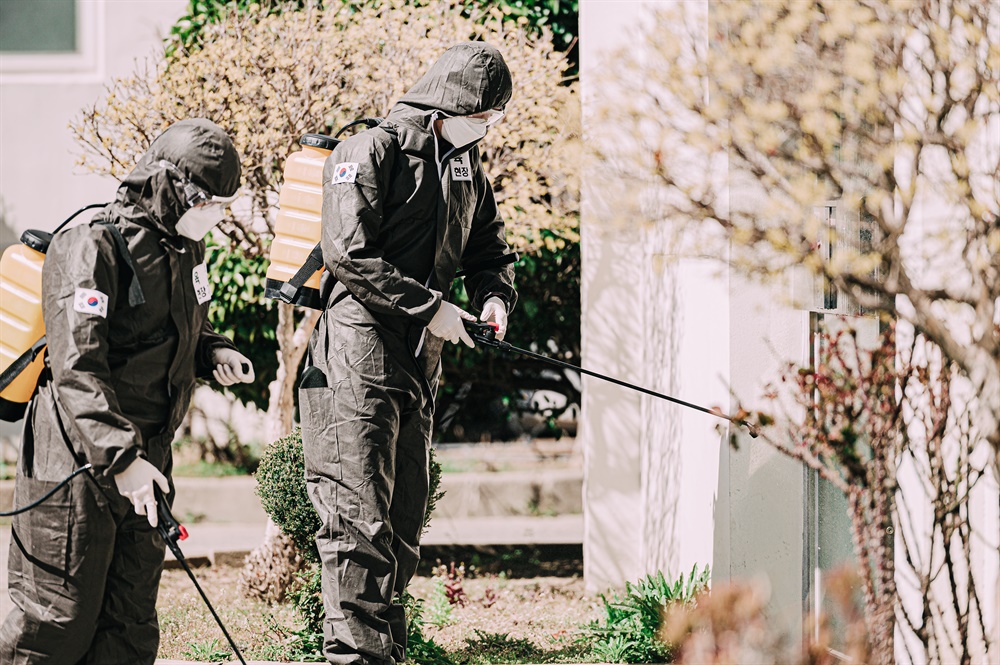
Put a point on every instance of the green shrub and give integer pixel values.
(420, 650)
(281, 486)
(627, 633)
(239, 310)
(306, 594)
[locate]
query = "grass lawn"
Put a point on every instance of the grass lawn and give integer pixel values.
(498, 620)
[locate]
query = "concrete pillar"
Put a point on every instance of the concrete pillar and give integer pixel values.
(662, 489)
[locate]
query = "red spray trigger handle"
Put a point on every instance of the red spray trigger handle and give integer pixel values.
(168, 526)
(483, 332)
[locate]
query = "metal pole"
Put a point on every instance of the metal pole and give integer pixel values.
(486, 334)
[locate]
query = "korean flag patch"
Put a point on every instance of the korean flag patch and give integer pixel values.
(90, 301)
(460, 170)
(345, 172)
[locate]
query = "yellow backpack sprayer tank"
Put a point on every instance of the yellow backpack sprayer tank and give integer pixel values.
(22, 327)
(295, 274)
(292, 277)
(22, 330)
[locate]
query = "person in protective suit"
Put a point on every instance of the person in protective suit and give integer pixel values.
(125, 303)
(405, 205)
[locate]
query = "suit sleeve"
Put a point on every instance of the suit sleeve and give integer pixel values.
(80, 287)
(352, 220)
(208, 342)
(486, 248)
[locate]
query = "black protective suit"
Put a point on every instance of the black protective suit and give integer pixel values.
(401, 214)
(84, 568)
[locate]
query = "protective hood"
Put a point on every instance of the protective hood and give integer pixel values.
(152, 195)
(468, 78)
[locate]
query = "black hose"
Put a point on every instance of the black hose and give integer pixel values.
(37, 502)
(171, 531)
(70, 218)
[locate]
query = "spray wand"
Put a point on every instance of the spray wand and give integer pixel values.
(486, 333)
(171, 531)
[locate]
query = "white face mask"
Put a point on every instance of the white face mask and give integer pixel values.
(199, 220)
(461, 131)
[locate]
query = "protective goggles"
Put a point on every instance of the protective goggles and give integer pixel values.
(194, 195)
(492, 117)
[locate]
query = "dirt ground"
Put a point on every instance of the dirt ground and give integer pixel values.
(545, 611)
(548, 611)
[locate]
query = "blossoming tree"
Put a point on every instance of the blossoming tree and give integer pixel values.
(748, 120)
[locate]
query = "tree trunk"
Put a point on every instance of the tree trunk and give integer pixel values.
(871, 524)
(272, 566)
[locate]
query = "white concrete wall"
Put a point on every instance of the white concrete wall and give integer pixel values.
(663, 490)
(39, 95)
(611, 417)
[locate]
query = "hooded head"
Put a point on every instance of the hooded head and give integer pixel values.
(468, 78)
(202, 153)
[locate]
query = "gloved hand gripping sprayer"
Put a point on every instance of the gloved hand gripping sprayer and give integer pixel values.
(486, 333)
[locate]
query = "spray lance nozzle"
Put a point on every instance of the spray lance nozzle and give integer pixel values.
(171, 531)
(486, 333)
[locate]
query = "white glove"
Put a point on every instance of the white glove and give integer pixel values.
(229, 366)
(494, 310)
(447, 324)
(136, 484)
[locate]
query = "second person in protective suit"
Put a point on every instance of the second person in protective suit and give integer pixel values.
(125, 302)
(405, 206)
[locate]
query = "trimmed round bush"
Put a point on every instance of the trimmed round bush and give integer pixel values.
(281, 486)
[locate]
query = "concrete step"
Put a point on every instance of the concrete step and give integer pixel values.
(228, 544)
(474, 494)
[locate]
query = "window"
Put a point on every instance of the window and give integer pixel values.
(46, 26)
(842, 232)
(51, 41)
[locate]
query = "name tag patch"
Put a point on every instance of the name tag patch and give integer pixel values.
(202, 288)
(345, 172)
(460, 168)
(91, 301)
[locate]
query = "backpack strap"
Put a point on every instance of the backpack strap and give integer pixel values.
(19, 365)
(135, 295)
(290, 289)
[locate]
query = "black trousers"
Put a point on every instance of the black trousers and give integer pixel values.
(366, 439)
(84, 569)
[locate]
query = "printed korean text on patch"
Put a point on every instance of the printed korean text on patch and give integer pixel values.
(460, 170)
(202, 287)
